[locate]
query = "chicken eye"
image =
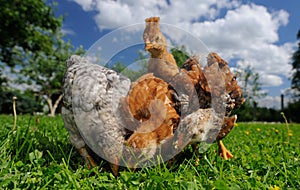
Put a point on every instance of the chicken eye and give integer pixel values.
(157, 38)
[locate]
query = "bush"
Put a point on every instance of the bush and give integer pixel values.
(26, 102)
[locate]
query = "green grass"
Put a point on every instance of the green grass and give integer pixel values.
(38, 155)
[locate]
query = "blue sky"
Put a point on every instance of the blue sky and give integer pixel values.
(260, 33)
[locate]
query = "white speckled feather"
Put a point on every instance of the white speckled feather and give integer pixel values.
(91, 98)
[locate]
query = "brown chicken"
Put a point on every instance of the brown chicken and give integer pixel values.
(224, 87)
(161, 62)
(233, 92)
(150, 102)
(225, 90)
(154, 102)
(202, 125)
(228, 124)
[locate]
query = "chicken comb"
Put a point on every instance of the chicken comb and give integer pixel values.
(152, 19)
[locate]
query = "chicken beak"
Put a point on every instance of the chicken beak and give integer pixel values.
(147, 44)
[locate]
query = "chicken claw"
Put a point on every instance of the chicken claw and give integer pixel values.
(223, 152)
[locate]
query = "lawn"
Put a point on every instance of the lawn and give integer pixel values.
(38, 155)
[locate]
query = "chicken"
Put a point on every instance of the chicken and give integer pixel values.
(161, 112)
(150, 101)
(233, 92)
(203, 125)
(225, 89)
(161, 62)
(155, 103)
(228, 124)
(91, 114)
(193, 78)
(91, 96)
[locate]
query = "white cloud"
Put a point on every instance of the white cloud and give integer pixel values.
(112, 14)
(274, 101)
(246, 32)
(86, 5)
(270, 102)
(249, 33)
(271, 80)
(67, 31)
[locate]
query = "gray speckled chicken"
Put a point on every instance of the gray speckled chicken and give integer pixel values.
(91, 95)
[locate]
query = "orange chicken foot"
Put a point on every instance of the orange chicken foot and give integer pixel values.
(223, 152)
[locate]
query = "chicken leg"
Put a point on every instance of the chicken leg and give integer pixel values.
(223, 152)
(89, 161)
(228, 124)
(115, 167)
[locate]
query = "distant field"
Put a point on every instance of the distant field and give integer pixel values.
(38, 155)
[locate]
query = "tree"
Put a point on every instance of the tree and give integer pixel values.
(292, 111)
(180, 55)
(296, 67)
(26, 103)
(252, 91)
(293, 107)
(46, 72)
(3, 81)
(133, 72)
(28, 25)
(251, 86)
(31, 45)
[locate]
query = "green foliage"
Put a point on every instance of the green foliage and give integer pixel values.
(47, 72)
(133, 72)
(247, 113)
(180, 55)
(250, 84)
(26, 103)
(3, 81)
(296, 67)
(38, 155)
(28, 25)
(292, 111)
(252, 91)
(118, 67)
(31, 44)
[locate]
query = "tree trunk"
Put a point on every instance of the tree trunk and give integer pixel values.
(52, 107)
